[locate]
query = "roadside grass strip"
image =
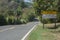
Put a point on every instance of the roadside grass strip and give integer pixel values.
(44, 34)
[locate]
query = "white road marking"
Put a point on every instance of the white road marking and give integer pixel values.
(7, 29)
(28, 32)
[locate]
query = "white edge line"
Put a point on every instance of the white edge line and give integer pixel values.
(28, 32)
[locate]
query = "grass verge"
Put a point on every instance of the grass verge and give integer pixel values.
(44, 34)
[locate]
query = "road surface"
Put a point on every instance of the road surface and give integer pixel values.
(15, 32)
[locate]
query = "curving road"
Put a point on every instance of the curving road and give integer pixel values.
(15, 32)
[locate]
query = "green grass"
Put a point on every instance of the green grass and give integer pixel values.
(42, 34)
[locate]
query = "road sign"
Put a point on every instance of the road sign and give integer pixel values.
(44, 16)
(49, 14)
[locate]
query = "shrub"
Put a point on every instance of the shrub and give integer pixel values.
(2, 20)
(10, 19)
(58, 17)
(18, 20)
(31, 16)
(46, 21)
(24, 18)
(27, 17)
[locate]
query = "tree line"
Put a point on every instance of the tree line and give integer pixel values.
(18, 11)
(47, 5)
(15, 12)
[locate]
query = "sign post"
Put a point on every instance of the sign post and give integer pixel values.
(55, 23)
(49, 14)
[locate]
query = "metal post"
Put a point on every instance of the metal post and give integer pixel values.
(55, 23)
(42, 21)
(43, 24)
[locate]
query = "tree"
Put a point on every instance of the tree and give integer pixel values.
(59, 5)
(43, 5)
(40, 5)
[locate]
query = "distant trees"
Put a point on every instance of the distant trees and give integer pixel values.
(40, 5)
(11, 12)
(59, 5)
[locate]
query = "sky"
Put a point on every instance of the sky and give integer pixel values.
(27, 0)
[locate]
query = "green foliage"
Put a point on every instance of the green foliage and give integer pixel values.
(12, 12)
(45, 5)
(26, 18)
(23, 5)
(40, 5)
(58, 17)
(18, 21)
(10, 19)
(19, 11)
(48, 21)
(2, 20)
(31, 16)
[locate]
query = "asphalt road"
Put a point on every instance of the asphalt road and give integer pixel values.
(15, 32)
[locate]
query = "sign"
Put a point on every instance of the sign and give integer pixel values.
(49, 14)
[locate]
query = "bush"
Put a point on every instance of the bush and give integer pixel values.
(27, 17)
(46, 21)
(58, 17)
(10, 19)
(13, 20)
(2, 20)
(18, 20)
(31, 16)
(24, 18)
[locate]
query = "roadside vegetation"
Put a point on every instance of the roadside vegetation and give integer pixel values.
(19, 11)
(15, 12)
(47, 5)
(48, 33)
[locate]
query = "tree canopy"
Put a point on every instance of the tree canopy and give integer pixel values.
(40, 5)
